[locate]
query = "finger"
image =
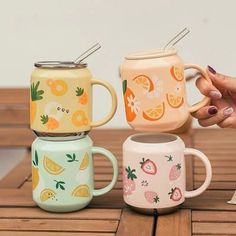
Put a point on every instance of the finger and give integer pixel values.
(229, 122)
(222, 81)
(208, 89)
(216, 119)
(205, 112)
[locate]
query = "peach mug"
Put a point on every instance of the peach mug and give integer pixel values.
(61, 99)
(154, 90)
(154, 175)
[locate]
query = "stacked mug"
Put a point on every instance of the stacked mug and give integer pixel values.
(62, 154)
(154, 175)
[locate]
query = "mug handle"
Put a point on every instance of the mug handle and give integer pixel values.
(207, 164)
(114, 103)
(205, 100)
(112, 159)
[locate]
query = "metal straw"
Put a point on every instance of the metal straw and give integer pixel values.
(177, 38)
(87, 53)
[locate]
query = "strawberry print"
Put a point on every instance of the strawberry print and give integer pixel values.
(151, 197)
(148, 166)
(175, 194)
(175, 172)
(128, 181)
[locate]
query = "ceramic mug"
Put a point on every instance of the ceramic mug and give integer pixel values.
(62, 173)
(154, 175)
(154, 90)
(61, 99)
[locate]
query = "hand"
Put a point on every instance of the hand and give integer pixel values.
(222, 108)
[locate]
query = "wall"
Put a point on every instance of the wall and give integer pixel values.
(61, 29)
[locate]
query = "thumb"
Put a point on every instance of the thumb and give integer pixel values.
(222, 81)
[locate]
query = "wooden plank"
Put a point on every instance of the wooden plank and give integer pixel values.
(214, 228)
(14, 115)
(16, 137)
(211, 200)
(217, 170)
(14, 96)
(16, 197)
(217, 163)
(213, 216)
(113, 199)
(175, 224)
(18, 175)
(132, 223)
(219, 178)
(218, 185)
(35, 233)
(189, 173)
(57, 225)
(37, 213)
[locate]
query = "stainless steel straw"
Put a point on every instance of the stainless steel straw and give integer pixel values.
(177, 38)
(87, 53)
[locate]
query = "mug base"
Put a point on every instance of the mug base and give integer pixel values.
(61, 209)
(61, 136)
(149, 211)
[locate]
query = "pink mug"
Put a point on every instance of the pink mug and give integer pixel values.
(154, 175)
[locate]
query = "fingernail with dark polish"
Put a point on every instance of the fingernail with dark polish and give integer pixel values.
(212, 110)
(211, 70)
(228, 111)
(215, 94)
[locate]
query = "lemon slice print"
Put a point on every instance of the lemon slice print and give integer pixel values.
(81, 191)
(85, 162)
(155, 113)
(174, 101)
(51, 166)
(46, 194)
(145, 82)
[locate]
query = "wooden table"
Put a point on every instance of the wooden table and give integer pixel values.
(208, 214)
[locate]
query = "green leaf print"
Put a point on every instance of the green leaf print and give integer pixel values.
(124, 86)
(60, 184)
(79, 91)
(36, 159)
(35, 93)
(71, 158)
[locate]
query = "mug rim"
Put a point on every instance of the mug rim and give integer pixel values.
(174, 138)
(149, 54)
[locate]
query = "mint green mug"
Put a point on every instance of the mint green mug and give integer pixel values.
(62, 173)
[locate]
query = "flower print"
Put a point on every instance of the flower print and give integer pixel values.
(158, 89)
(133, 103)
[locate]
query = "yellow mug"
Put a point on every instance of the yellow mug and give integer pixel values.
(61, 99)
(154, 90)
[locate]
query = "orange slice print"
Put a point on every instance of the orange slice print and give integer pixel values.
(177, 73)
(174, 101)
(155, 113)
(145, 82)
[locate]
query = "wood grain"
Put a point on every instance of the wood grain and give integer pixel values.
(132, 223)
(175, 224)
(53, 225)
